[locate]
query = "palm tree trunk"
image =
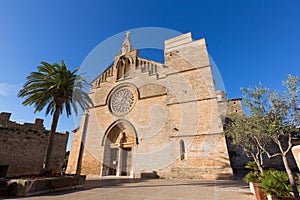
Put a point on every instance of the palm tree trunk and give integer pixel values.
(51, 139)
(291, 177)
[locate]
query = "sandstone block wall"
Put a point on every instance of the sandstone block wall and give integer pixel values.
(23, 146)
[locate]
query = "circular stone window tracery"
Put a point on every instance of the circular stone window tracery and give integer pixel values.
(122, 100)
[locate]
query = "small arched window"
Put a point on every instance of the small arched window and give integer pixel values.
(127, 67)
(123, 68)
(120, 69)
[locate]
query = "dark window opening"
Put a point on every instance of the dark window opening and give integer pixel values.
(182, 150)
(3, 170)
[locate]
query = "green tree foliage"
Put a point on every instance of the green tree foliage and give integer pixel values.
(56, 88)
(274, 116)
(66, 159)
(242, 132)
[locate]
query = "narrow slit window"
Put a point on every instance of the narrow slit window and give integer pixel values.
(182, 150)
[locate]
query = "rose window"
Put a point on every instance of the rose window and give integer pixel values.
(122, 100)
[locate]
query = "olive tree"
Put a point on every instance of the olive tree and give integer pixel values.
(242, 133)
(276, 115)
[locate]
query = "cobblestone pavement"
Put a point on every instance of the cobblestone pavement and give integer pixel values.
(152, 189)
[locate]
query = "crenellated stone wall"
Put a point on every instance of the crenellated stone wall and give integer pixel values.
(23, 146)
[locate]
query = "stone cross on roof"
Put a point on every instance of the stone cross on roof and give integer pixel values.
(128, 33)
(126, 46)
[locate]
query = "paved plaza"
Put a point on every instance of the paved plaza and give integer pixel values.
(152, 189)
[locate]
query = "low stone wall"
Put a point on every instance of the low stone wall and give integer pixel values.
(25, 187)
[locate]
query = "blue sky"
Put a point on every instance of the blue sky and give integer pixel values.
(250, 41)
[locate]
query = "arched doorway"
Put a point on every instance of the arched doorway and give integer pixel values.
(118, 144)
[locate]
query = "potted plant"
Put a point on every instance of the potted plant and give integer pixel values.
(252, 176)
(276, 184)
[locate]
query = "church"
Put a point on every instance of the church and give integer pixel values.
(153, 119)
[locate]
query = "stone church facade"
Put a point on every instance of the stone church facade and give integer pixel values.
(152, 118)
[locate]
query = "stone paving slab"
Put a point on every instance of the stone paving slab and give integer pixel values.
(152, 189)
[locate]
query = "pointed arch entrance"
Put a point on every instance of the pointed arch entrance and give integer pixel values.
(118, 142)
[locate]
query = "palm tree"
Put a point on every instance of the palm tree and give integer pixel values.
(56, 87)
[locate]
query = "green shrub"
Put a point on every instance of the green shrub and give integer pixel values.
(251, 177)
(252, 166)
(276, 183)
